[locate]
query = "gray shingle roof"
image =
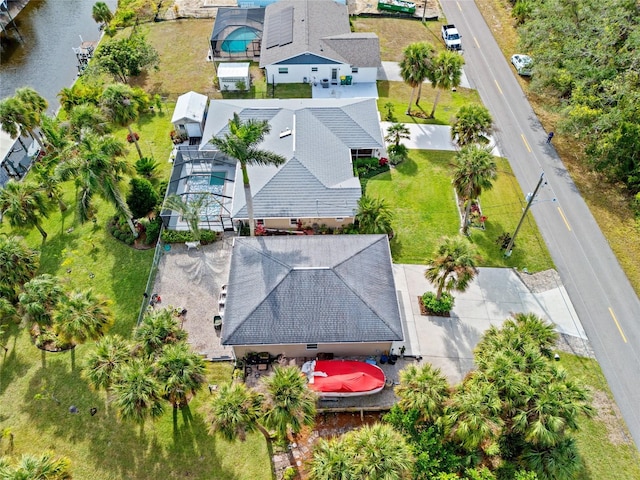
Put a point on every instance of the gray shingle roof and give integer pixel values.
(311, 289)
(320, 182)
(320, 27)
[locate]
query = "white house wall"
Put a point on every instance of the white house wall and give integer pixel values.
(297, 73)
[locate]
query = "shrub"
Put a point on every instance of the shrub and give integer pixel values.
(142, 198)
(289, 474)
(369, 167)
(174, 236)
(444, 305)
(146, 167)
(153, 230)
(398, 154)
(208, 236)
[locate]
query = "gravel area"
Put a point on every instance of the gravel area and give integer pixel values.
(191, 280)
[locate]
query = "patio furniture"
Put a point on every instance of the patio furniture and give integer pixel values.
(191, 245)
(217, 322)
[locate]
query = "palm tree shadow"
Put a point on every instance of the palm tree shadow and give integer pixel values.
(408, 167)
(12, 367)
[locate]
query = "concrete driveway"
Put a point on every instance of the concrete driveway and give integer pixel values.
(493, 297)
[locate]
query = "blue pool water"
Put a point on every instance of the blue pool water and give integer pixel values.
(238, 40)
(214, 184)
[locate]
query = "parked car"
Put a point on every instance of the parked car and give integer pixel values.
(451, 37)
(523, 64)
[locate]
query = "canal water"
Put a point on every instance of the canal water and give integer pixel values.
(40, 55)
(43, 59)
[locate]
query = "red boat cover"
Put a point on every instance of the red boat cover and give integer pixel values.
(347, 376)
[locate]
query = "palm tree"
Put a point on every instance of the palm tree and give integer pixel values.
(157, 329)
(472, 124)
(82, 316)
(49, 184)
(96, 168)
(138, 394)
(396, 132)
(181, 373)
(120, 105)
(102, 14)
(415, 66)
(561, 462)
(241, 143)
(331, 461)
(235, 410)
(373, 216)
(452, 266)
(379, 453)
(424, 389)
(475, 171)
(86, 117)
(103, 365)
(190, 209)
(23, 204)
(474, 414)
(18, 265)
(68, 99)
(39, 298)
(36, 467)
(290, 405)
(7, 312)
(446, 73)
(23, 111)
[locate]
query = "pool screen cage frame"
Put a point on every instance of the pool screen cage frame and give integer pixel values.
(229, 20)
(190, 162)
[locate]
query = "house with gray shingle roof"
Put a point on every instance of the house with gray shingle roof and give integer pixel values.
(311, 41)
(305, 295)
(319, 138)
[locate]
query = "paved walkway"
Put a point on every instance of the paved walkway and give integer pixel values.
(493, 296)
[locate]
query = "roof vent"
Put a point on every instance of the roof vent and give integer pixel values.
(285, 133)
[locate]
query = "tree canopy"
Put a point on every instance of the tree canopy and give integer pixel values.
(125, 57)
(587, 55)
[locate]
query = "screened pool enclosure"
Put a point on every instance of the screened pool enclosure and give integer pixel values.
(237, 33)
(203, 180)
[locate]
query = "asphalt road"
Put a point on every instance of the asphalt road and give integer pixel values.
(605, 302)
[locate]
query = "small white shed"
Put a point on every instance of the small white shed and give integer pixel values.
(190, 114)
(230, 74)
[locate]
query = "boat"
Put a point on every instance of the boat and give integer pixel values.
(397, 6)
(343, 378)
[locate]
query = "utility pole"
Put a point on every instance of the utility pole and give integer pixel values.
(530, 199)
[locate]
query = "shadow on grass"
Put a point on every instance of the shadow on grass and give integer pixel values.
(12, 366)
(408, 167)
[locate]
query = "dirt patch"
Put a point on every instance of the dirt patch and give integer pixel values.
(609, 414)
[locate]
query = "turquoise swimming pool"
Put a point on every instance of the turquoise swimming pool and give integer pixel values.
(238, 40)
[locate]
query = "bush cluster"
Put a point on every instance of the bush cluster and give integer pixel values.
(444, 305)
(174, 236)
(369, 167)
(119, 229)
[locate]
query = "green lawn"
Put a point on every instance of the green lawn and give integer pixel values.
(604, 443)
(422, 200)
(36, 395)
(398, 93)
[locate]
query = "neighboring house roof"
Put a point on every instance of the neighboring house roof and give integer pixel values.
(233, 70)
(318, 180)
(299, 28)
(311, 289)
(190, 107)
